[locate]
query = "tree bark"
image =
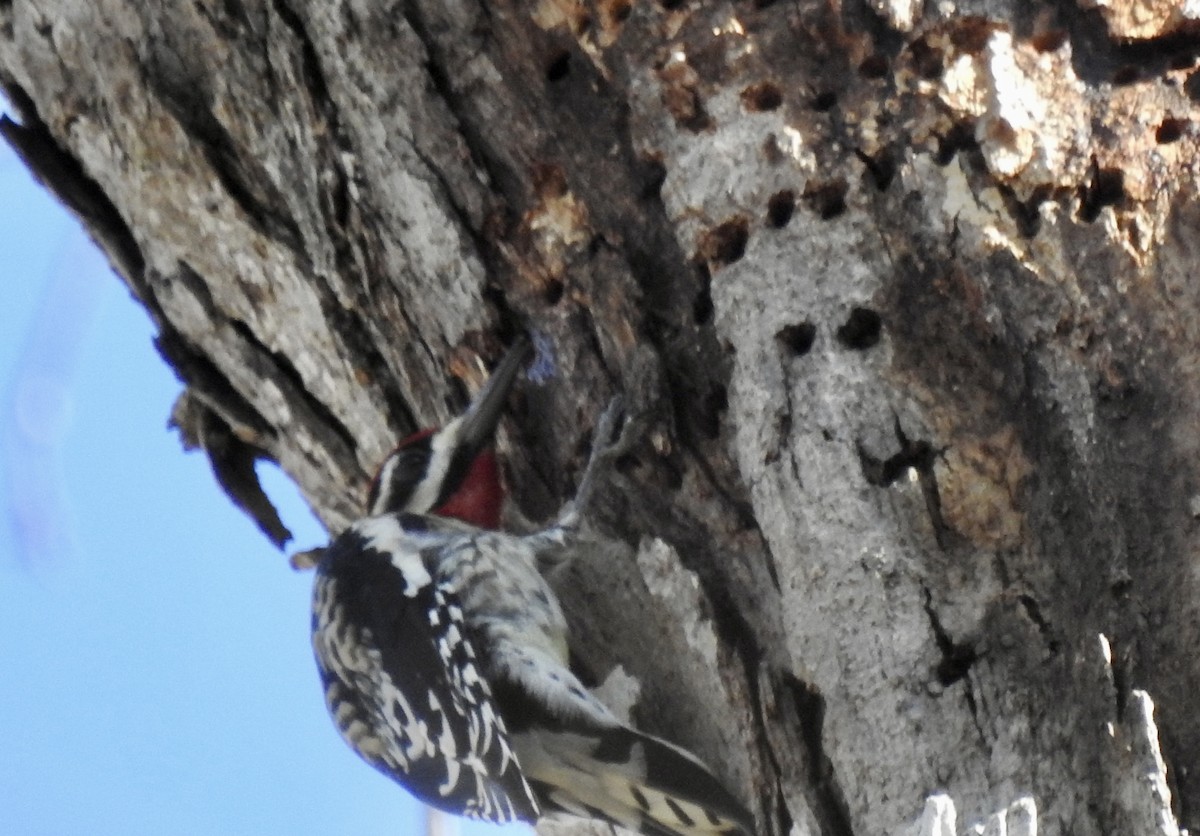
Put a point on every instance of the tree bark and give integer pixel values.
(902, 292)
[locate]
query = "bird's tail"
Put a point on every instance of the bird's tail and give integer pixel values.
(634, 780)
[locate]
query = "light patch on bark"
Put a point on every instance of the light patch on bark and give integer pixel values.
(679, 592)
(979, 482)
(1145, 19)
(939, 818)
(901, 14)
(1029, 106)
(1020, 819)
(620, 692)
(1146, 796)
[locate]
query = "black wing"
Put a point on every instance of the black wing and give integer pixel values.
(401, 680)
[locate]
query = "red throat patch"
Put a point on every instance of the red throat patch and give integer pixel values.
(481, 496)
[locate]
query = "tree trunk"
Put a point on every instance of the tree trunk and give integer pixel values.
(903, 293)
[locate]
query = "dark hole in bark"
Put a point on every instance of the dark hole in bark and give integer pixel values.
(1049, 41)
(764, 95)
(771, 151)
(828, 199)
(559, 66)
(1028, 213)
(823, 101)
(780, 207)
(861, 330)
(960, 138)
(725, 243)
(1127, 74)
(1106, 189)
(797, 338)
(972, 34)
(1191, 86)
(873, 66)
(928, 61)
(1170, 130)
(702, 305)
(1182, 61)
(881, 167)
(652, 174)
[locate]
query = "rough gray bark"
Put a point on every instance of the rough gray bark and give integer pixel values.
(904, 292)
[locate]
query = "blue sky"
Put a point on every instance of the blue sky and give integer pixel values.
(157, 672)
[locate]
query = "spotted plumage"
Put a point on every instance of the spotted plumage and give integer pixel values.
(401, 680)
(410, 605)
(443, 653)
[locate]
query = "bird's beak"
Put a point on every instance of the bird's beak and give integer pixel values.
(479, 421)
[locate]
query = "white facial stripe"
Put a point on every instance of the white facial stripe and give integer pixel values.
(385, 485)
(441, 452)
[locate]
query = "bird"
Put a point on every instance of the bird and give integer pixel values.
(443, 650)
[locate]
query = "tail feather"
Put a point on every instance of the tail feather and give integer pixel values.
(632, 779)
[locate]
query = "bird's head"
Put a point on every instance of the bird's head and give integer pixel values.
(451, 471)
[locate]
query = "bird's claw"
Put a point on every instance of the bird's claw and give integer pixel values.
(614, 436)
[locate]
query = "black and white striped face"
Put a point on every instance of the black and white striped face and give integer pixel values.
(431, 467)
(399, 475)
(401, 679)
(423, 472)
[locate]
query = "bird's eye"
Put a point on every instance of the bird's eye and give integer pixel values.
(399, 476)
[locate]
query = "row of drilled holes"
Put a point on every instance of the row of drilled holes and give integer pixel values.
(828, 198)
(726, 242)
(861, 330)
(766, 95)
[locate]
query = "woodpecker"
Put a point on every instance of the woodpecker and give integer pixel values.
(443, 651)
(452, 472)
